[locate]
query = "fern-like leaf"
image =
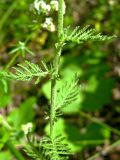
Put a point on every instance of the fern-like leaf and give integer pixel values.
(55, 148)
(68, 93)
(28, 71)
(34, 150)
(85, 34)
(47, 148)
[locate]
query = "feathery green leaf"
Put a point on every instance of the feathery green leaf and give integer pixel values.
(28, 71)
(47, 148)
(68, 93)
(85, 34)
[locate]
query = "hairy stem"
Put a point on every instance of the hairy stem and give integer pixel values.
(56, 67)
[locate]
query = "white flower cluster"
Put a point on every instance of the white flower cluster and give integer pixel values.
(54, 5)
(48, 24)
(42, 7)
(112, 2)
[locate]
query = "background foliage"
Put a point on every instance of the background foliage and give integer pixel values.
(90, 123)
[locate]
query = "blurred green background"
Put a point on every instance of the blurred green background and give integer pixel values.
(93, 121)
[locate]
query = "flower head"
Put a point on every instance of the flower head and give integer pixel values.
(41, 6)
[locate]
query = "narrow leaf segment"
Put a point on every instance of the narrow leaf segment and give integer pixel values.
(28, 71)
(79, 35)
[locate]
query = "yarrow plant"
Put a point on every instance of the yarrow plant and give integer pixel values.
(42, 7)
(52, 147)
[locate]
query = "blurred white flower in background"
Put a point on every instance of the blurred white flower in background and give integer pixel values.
(36, 4)
(54, 5)
(48, 24)
(41, 6)
(27, 128)
(112, 2)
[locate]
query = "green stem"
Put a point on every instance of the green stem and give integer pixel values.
(95, 120)
(105, 151)
(14, 151)
(12, 60)
(56, 67)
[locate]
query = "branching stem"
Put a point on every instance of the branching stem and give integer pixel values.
(56, 66)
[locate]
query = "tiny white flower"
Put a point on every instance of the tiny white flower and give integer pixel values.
(54, 5)
(48, 24)
(48, 21)
(41, 6)
(37, 4)
(44, 25)
(52, 27)
(112, 2)
(27, 127)
(48, 7)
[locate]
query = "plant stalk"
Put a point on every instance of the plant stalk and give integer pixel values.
(56, 66)
(14, 151)
(11, 61)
